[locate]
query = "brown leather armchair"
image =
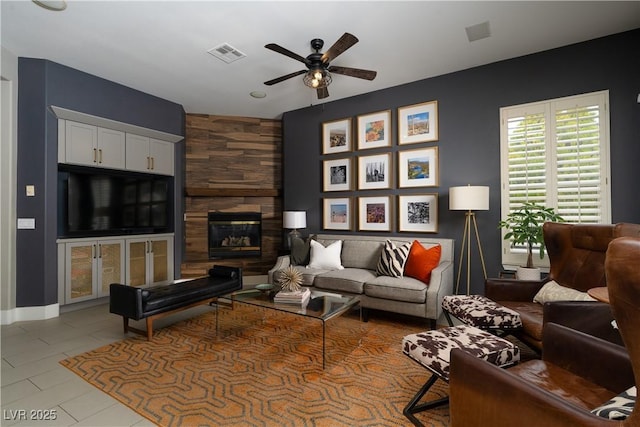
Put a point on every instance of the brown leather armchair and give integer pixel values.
(576, 258)
(578, 372)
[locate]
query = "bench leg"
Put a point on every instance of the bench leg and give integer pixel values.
(125, 321)
(149, 328)
(413, 407)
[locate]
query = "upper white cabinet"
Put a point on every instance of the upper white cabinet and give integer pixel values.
(89, 140)
(152, 155)
(94, 146)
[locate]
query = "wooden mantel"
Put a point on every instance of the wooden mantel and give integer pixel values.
(232, 192)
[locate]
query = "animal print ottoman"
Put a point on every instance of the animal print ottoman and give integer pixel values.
(481, 312)
(432, 349)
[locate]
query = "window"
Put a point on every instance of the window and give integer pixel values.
(556, 153)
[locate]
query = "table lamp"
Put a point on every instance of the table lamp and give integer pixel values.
(294, 220)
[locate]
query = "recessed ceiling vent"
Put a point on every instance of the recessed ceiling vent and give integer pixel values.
(226, 53)
(478, 32)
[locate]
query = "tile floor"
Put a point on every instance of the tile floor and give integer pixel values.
(35, 385)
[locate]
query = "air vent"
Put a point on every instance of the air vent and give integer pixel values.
(478, 32)
(226, 53)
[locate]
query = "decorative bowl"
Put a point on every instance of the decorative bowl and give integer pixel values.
(265, 288)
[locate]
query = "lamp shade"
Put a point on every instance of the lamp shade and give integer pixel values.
(469, 198)
(294, 219)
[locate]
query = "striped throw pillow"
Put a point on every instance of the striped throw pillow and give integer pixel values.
(393, 259)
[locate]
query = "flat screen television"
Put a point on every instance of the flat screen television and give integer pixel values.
(95, 202)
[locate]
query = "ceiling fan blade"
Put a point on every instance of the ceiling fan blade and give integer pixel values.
(283, 78)
(323, 92)
(345, 42)
(353, 72)
(277, 48)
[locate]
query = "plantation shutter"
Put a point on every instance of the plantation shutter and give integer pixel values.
(555, 153)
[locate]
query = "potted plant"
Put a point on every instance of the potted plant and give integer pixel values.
(524, 227)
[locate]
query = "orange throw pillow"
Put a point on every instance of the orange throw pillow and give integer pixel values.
(421, 261)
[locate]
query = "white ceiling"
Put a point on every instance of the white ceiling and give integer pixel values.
(160, 47)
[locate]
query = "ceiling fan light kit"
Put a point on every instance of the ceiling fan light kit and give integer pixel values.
(318, 73)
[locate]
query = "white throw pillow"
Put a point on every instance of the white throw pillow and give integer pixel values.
(326, 258)
(552, 291)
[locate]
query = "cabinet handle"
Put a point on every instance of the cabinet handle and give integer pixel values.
(100, 156)
(95, 155)
(100, 250)
(148, 162)
(150, 246)
(93, 251)
(152, 165)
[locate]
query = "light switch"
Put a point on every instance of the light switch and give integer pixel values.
(31, 190)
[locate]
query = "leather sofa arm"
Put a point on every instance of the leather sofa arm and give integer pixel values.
(511, 289)
(484, 395)
(597, 360)
(125, 301)
(591, 317)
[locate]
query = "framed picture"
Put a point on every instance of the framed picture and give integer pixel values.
(374, 213)
(418, 168)
(374, 172)
(418, 213)
(336, 213)
(374, 130)
(337, 175)
(336, 136)
(418, 123)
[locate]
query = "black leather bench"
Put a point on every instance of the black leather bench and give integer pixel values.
(135, 303)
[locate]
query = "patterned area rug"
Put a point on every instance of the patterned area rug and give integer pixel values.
(264, 368)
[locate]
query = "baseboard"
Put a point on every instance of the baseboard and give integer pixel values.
(20, 314)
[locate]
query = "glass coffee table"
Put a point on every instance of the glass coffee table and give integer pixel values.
(323, 306)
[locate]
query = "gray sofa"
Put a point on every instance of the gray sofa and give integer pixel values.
(359, 256)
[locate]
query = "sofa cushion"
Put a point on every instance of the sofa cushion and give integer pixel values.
(361, 253)
(300, 250)
(392, 259)
(422, 261)
(405, 289)
(308, 274)
(326, 258)
(349, 280)
(552, 291)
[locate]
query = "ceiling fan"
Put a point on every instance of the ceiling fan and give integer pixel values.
(318, 72)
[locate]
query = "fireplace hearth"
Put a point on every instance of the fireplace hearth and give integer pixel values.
(234, 234)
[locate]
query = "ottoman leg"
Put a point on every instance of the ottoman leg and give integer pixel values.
(413, 406)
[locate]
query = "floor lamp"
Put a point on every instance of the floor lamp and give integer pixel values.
(470, 199)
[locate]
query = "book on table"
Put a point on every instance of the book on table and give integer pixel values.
(297, 297)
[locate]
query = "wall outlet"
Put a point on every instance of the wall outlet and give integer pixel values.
(31, 190)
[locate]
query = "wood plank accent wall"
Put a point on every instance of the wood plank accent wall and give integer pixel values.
(232, 164)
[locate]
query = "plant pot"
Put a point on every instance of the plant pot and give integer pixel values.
(524, 273)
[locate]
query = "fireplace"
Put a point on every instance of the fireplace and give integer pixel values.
(234, 234)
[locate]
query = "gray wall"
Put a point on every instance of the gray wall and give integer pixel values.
(45, 83)
(469, 133)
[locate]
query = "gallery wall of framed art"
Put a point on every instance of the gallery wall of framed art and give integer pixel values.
(376, 180)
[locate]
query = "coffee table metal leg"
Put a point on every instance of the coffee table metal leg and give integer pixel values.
(323, 343)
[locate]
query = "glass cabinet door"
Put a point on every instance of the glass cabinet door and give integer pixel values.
(137, 262)
(111, 265)
(80, 271)
(160, 255)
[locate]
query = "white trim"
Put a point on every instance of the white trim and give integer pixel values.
(63, 113)
(20, 314)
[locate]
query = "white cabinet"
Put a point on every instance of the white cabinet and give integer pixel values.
(93, 146)
(90, 266)
(145, 154)
(149, 260)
